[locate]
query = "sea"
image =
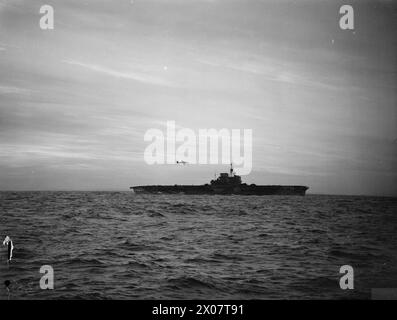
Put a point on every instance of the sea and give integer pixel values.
(121, 245)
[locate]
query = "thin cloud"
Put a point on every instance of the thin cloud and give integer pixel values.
(13, 90)
(136, 76)
(13, 4)
(271, 73)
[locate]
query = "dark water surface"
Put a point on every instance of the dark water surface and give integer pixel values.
(123, 246)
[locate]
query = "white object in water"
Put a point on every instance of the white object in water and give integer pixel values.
(8, 242)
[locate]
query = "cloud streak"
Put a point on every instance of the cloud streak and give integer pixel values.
(14, 90)
(135, 76)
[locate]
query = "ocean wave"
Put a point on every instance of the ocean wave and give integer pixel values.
(189, 282)
(114, 245)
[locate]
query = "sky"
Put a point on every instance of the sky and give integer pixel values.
(76, 101)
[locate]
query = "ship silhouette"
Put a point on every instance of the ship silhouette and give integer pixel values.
(226, 183)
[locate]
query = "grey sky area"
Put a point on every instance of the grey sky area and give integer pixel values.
(76, 101)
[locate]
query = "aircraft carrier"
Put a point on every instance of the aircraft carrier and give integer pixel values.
(224, 184)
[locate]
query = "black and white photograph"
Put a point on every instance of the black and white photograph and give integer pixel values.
(196, 150)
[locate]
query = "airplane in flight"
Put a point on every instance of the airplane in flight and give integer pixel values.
(182, 162)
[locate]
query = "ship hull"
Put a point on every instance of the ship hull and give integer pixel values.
(208, 189)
